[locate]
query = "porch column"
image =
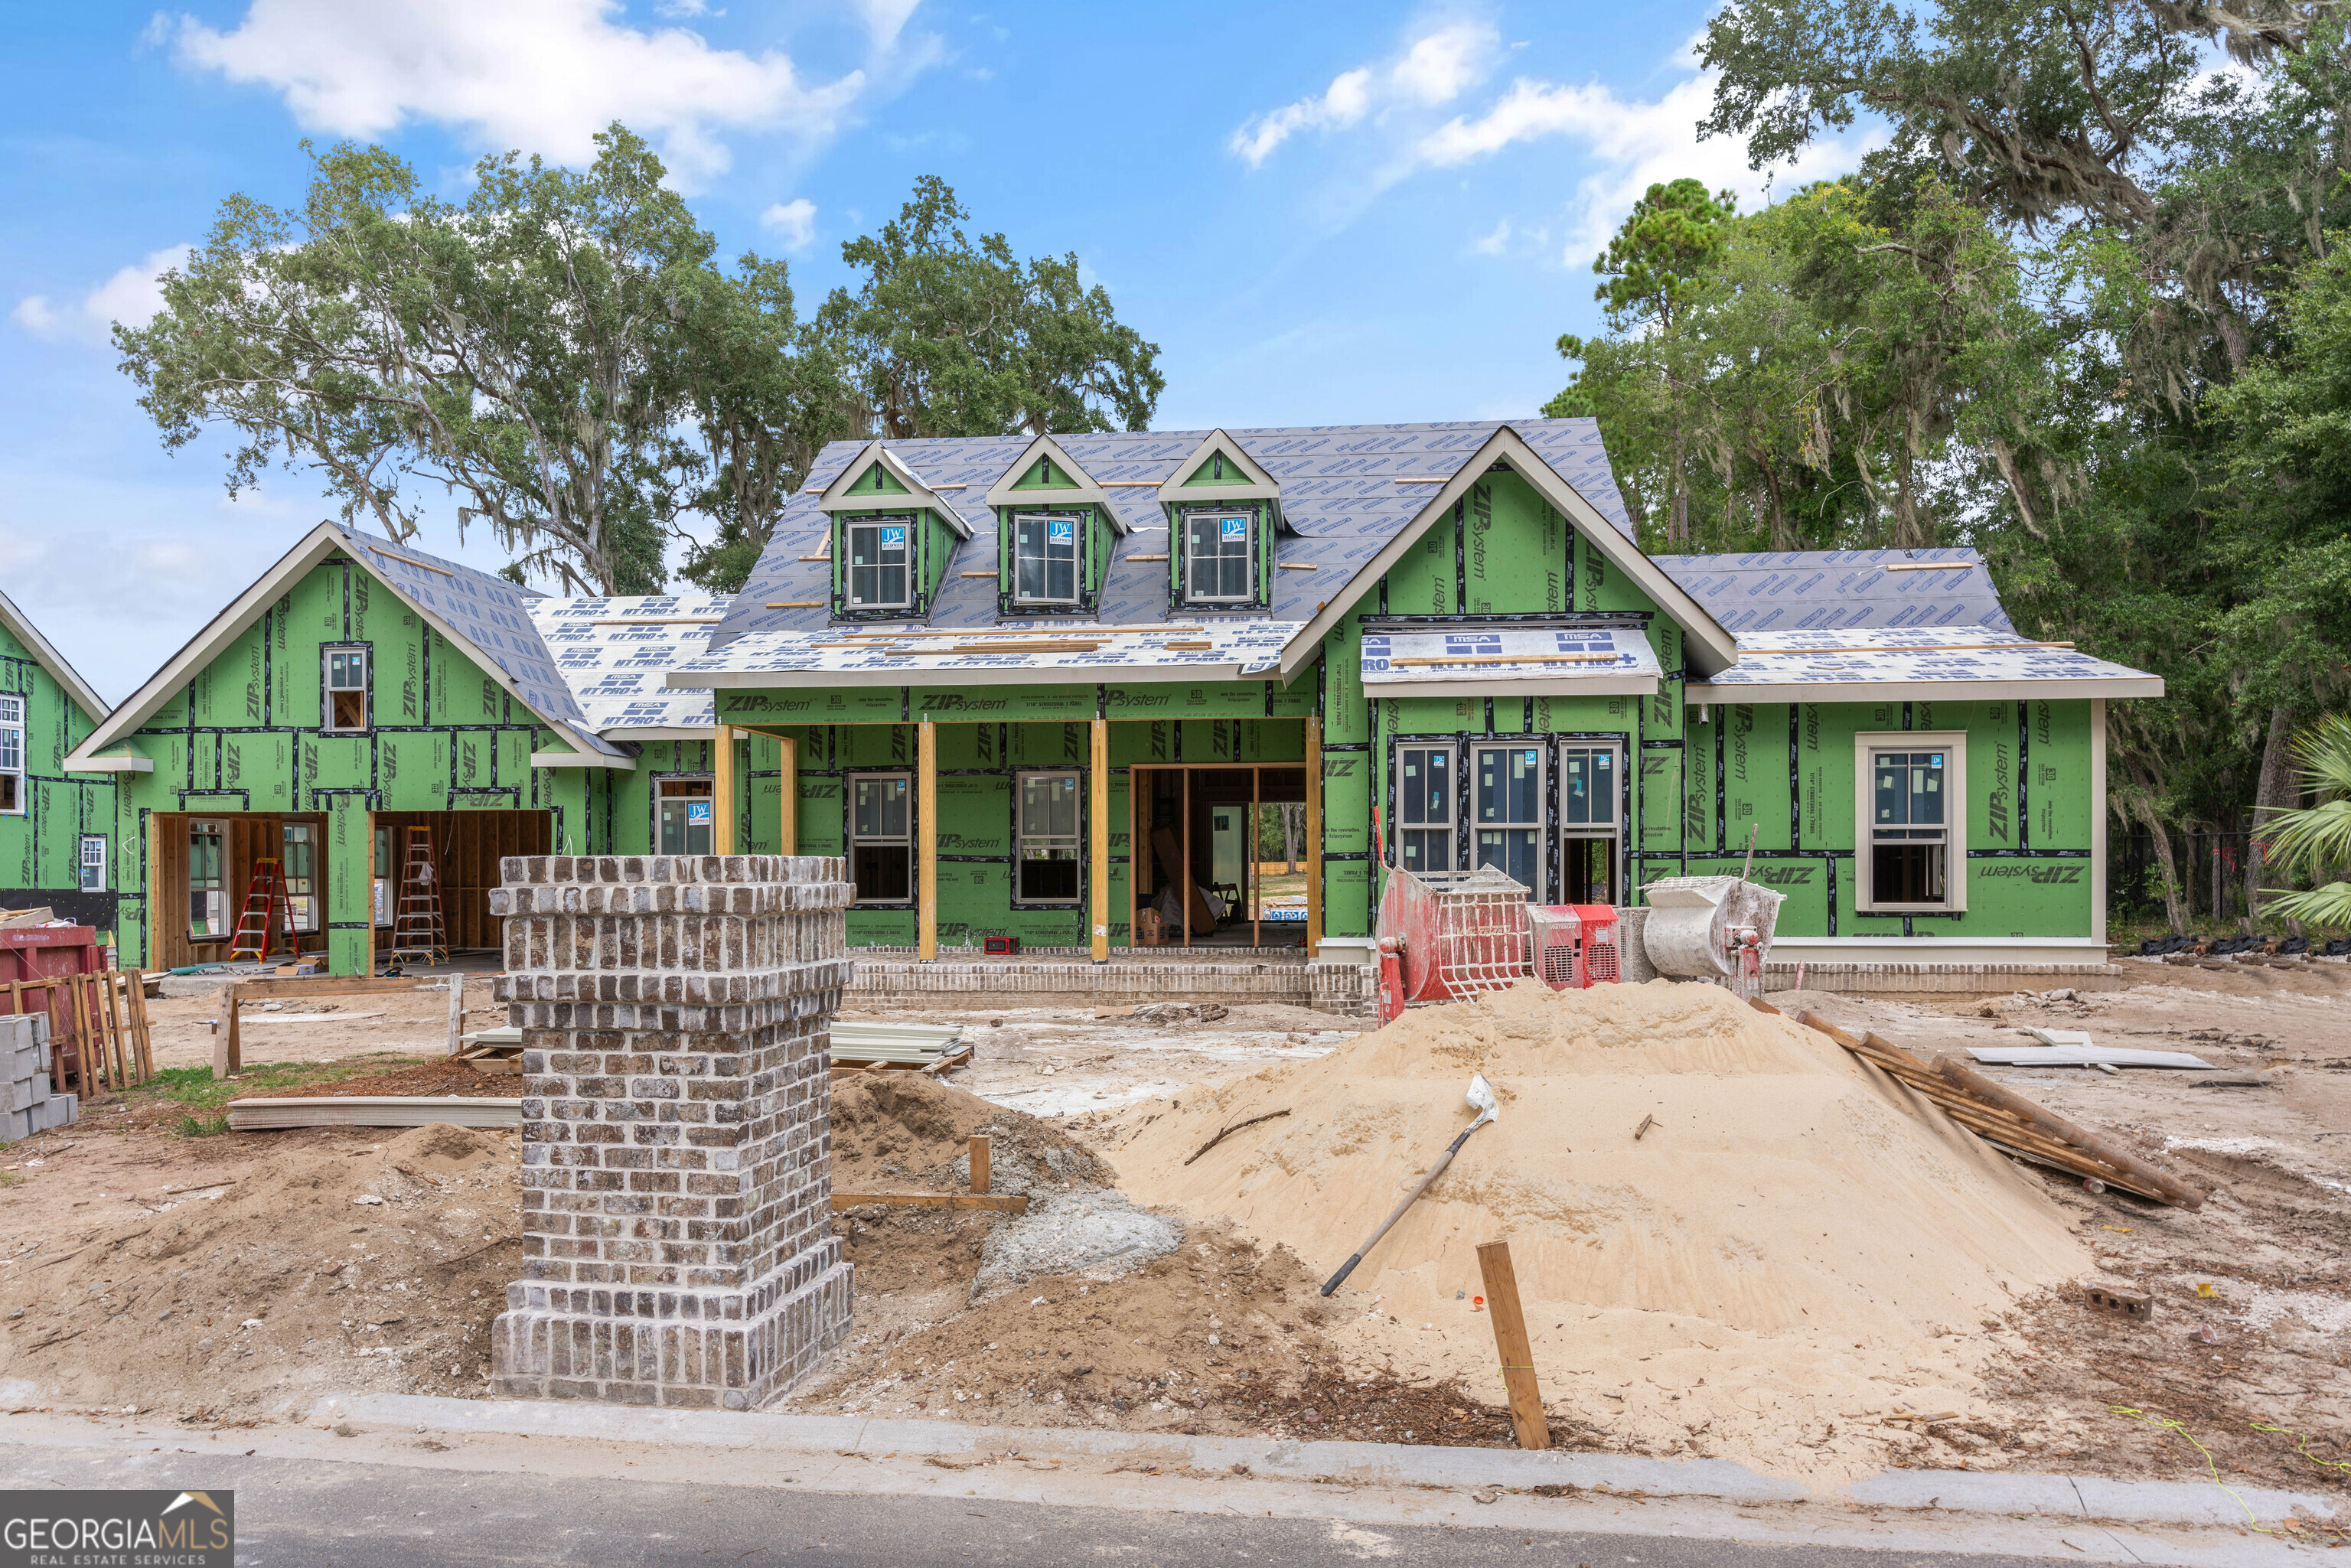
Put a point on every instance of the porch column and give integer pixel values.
(926, 841)
(2098, 819)
(722, 791)
(787, 793)
(1098, 851)
(1313, 836)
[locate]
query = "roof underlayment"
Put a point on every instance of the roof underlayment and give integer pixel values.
(1876, 662)
(1508, 658)
(1803, 591)
(616, 655)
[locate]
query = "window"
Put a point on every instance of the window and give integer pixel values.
(1910, 794)
(1216, 557)
(1424, 807)
(1044, 558)
(881, 838)
(682, 816)
(93, 863)
(1589, 778)
(878, 576)
(300, 861)
(208, 881)
(12, 755)
(1508, 823)
(1048, 831)
(346, 707)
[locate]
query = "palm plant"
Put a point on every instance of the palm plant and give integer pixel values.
(2317, 838)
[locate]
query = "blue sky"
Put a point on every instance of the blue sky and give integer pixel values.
(1320, 214)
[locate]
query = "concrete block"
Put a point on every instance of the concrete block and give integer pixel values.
(24, 1093)
(16, 1125)
(56, 1110)
(19, 1062)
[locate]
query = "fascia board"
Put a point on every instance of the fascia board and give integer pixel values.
(1506, 445)
(1531, 686)
(207, 644)
(591, 758)
(1953, 691)
(1084, 492)
(915, 675)
(49, 659)
(836, 499)
(1254, 475)
(658, 732)
(110, 764)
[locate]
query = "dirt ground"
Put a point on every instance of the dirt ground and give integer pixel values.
(295, 1029)
(125, 1278)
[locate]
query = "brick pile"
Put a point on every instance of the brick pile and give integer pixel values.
(677, 1235)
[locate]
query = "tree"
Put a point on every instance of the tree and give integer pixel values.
(2317, 838)
(521, 350)
(949, 337)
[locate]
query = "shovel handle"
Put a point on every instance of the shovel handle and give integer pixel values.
(1396, 1213)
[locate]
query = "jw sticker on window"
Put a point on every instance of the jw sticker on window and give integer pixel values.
(1235, 528)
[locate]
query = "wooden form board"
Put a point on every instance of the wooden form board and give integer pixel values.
(373, 1111)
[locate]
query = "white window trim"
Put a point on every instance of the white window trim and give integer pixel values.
(848, 599)
(1953, 745)
(1020, 834)
(11, 718)
(1248, 588)
(1077, 559)
(326, 650)
(82, 861)
(853, 838)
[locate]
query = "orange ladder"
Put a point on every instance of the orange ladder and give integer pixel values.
(419, 934)
(265, 913)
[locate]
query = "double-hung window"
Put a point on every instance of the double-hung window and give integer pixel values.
(12, 755)
(683, 820)
(93, 863)
(208, 880)
(882, 837)
(345, 675)
(1508, 821)
(1044, 558)
(1589, 779)
(1217, 561)
(880, 577)
(301, 865)
(1910, 796)
(1424, 807)
(1049, 834)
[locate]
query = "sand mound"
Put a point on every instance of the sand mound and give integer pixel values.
(901, 1132)
(1788, 1254)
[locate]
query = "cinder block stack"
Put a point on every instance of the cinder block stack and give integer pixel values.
(677, 1226)
(26, 1104)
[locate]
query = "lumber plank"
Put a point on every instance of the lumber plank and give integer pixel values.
(262, 988)
(261, 1114)
(2058, 1129)
(1014, 1202)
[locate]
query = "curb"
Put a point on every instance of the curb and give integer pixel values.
(2062, 1497)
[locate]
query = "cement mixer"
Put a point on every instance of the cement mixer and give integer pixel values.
(1715, 928)
(1444, 936)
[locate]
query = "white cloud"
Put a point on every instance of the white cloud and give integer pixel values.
(1494, 242)
(131, 297)
(679, 10)
(1431, 71)
(795, 220)
(540, 75)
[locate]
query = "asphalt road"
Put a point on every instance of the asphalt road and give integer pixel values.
(321, 1514)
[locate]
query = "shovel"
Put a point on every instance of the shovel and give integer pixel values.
(1481, 1100)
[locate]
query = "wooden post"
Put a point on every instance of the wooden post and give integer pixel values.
(235, 1055)
(367, 902)
(926, 841)
(1185, 892)
(92, 1051)
(722, 791)
(1313, 836)
(1249, 859)
(980, 1162)
(1138, 783)
(1097, 847)
(787, 793)
(457, 1011)
(135, 995)
(1518, 1353)
(123, 1053)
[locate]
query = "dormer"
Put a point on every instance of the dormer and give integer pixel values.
(892, 538)
(1054, 531)
(1223, 511)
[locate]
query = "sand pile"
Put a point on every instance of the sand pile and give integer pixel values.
(1788, 1256)
(901, 1132)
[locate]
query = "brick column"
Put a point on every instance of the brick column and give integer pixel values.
(677, 1214)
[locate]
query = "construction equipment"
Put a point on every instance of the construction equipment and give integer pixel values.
(418, 932)
(1481, 1100)
(1444, 936)
(1715, 928)
(263, 912)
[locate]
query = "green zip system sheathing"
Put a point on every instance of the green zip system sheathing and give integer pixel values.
(40, 846)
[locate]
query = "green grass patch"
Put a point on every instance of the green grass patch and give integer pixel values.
(196, 1088)
(192, 1126)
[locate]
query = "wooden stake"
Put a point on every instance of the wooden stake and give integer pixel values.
(980, 1161)
(1518, 1351)
(235, 1055)
(457, 1011)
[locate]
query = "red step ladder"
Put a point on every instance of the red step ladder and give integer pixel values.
(265, 914)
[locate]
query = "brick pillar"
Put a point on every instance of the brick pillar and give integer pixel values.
(677, 1214)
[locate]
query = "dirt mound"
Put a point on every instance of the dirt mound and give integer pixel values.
(901, 1132)
(443, 1076)
(1788, 1253)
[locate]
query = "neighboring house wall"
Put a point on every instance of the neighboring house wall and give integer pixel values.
(41, 840)
(244, 743)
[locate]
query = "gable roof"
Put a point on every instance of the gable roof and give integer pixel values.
(1797, 591)
(1084, 491)
(21, 627)
(1346, 490)
(485, 615)
(835, 495)
(1250, 482)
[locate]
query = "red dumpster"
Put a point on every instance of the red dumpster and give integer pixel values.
(39, 953)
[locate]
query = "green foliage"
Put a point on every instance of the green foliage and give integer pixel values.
(2317, 838)
(945, 336)
(1675, 232)
(196, 1089)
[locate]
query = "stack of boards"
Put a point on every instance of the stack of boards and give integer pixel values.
(28, 1105)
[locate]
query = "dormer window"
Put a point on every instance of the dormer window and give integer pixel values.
(1045, 558)
(879, 553)
(1220, 556)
